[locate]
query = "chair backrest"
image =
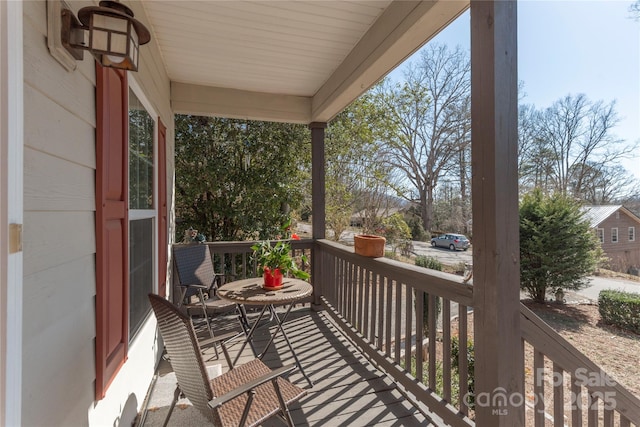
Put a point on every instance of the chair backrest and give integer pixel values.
(184, 352)
(193, 267)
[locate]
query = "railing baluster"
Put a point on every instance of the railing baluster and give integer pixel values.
(334, 281)
(558, 396)
(360, 301)
(397, 287)
(349, 293)
(592, 411)
(608, 416)
(432, 322)
(244, 265)
(463, 365)
(538, 387)
(374, 306)
(576, 396)
(366, 304)
(342, 282)
(388, 318)
(380, 280)
(408, 335)
(446, 350)
(233, 265)
(419, 334)
(220, 268)
(624, 421)
(354, 296)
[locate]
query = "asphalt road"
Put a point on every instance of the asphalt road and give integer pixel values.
(446, 256)
(600, 283)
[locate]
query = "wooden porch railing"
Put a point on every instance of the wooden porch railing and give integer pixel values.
(381, 304)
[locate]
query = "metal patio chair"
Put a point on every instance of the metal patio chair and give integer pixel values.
(246, 395)
(196, 278)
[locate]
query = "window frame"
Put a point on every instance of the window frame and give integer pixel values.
(631, 235)
(140, 214)
(617, 237)
(600, 234)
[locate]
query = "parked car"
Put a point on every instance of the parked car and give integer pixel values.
(451, 241)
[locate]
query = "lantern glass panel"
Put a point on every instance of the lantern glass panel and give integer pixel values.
(110, 22)
(99, 40)
(118, 43)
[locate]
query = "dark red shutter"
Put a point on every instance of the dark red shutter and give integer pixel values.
(162, 208)
(112, 241)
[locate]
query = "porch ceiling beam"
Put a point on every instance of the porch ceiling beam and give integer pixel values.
(402, 29)
(239, 104)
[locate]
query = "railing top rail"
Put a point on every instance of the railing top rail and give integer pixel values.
(572, 360)
(245, 245)
(442, 284)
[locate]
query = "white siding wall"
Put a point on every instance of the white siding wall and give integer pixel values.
(59, 238)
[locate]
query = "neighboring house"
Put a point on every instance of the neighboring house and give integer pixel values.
(617, 229)
(358, 219)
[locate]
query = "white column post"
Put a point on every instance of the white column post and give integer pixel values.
(11, 196)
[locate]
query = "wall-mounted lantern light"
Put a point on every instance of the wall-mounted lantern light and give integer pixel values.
(114, 35)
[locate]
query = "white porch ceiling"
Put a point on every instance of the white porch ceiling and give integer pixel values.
(298, 61)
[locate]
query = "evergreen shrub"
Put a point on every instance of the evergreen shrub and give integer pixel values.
(620, 309)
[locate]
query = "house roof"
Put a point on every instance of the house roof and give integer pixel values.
(597, 214)
(295, 61)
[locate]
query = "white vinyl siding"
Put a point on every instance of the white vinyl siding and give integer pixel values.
(614, 235)
(59, 245)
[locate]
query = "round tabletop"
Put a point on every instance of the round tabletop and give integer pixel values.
(251, 292)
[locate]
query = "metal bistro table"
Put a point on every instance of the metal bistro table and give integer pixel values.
(251, 292)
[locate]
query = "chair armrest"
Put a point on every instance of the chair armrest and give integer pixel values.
(217, 338)
(218, 401)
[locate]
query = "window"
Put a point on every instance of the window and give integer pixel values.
(142, 211)
(600, 234)
(632, 234)
(614, 235)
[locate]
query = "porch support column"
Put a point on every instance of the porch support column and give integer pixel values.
(318, 206)
(496, 255)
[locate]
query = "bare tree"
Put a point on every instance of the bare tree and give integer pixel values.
(578, 133)
(431, 112)
(634, 9)
(604, 184)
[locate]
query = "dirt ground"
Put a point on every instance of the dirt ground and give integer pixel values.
(615, 350)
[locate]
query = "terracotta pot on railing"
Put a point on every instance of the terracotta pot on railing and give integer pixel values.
(369, 245)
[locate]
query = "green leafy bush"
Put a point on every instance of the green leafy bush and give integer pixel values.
(471, 359)
(428, 262)
(390, 255)
(620, 308)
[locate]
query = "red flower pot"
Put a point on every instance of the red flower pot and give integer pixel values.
(272, 278)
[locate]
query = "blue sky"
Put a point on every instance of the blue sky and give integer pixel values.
(571, 47)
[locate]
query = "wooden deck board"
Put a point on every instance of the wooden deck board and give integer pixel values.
(347, 390)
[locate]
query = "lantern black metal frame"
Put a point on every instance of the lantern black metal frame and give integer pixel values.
(115, 36)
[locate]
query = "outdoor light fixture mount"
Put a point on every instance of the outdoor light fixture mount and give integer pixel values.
(114, 36)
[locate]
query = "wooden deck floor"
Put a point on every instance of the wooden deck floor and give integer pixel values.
(347, 390)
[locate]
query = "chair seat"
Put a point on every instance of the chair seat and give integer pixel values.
(213, 306)
(265, 403)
